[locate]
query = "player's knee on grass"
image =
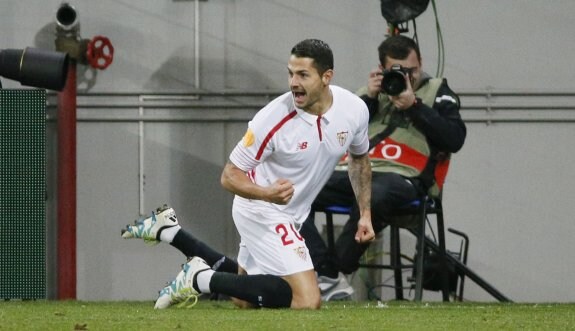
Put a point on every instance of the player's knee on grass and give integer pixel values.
(306, 300)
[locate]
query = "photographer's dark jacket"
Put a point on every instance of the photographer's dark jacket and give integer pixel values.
(416, 142)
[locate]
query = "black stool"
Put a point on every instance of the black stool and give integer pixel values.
(420, 208)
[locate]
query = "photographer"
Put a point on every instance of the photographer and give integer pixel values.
(414, 126)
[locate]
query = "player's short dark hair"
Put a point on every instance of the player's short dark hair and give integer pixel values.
(317, 50)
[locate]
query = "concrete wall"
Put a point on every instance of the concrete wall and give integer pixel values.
(509, 189)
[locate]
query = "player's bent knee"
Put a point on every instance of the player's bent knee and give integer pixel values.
(305, 291)
(309, 304)
(307, 301)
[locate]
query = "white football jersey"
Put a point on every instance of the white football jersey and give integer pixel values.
(283, 141)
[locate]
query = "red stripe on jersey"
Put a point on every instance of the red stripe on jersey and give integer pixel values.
(319, 127)
(272, 132)
(252, 175)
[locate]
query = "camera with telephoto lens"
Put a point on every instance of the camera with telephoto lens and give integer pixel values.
(393, 82)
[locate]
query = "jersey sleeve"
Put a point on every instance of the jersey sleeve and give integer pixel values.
(360, 142)
(251, 149)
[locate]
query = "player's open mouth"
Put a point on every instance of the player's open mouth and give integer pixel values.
(298, 96)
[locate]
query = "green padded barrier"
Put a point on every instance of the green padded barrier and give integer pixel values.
(22, 194)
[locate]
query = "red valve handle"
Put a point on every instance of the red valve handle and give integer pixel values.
(100, 52)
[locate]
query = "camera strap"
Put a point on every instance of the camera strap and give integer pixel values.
(393, 124)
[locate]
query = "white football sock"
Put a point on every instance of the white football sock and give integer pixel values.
(168, 234)
(203, 280)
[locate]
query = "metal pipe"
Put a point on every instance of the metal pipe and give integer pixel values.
(467, 93)
(228, 119)
(197, 43)
(141, 175)
(477, 106)
(66, 204)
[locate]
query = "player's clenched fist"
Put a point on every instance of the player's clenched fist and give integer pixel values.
(280, 192)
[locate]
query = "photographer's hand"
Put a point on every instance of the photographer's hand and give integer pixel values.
(374, 83)
(405, 99)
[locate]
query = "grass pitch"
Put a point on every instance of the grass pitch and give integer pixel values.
(222, 315)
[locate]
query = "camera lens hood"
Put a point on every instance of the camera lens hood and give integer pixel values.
(393, 82)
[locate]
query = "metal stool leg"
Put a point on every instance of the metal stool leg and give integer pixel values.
(442, 253)
(395, 260)
(421, 239)
(420, 253)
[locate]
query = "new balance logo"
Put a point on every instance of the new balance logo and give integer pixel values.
(302, 145)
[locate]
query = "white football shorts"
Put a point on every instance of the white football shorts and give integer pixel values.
(270, 242)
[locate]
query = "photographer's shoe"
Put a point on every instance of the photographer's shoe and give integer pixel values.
(334, 289)
(149, 228)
